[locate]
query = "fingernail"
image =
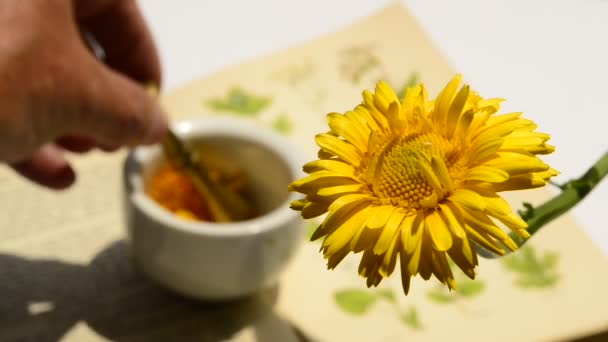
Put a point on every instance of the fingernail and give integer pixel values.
(157, 128)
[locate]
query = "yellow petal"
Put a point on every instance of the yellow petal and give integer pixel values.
(379, 216)
(298, 204)
(463, 126)
(341, 190)
(439, 232)
(379, 118)
(483, 149)
(486, 174)
(411, 231)
(384, 96)
(456, 110)
(335, 166)
(389, 260)
(389, 231)
(427, 171)
(353, 133)
(515, 223)
(334, 259)
(364, 239)
(453, 218)
(468, 199)
(395, 120)
(340, 211)
(484, 240)
(444, 268)
(364, 114)
(496, 205)
(525, 181)
(481, 222)
(463, 255)
(441, 171)
(502, 118)
(405, 274)
(321, 179)
(444, 100)
(345, 232)
(425, 267)
(516, 163)
(340, 148)
(313, 209)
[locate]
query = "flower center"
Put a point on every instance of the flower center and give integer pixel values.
(400, 181)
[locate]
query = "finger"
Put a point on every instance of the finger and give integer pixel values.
(120, 29)
(47, 167)
(108, 107)
(76, 143)
(83, 144)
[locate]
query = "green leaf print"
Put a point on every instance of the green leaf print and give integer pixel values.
(411, 318)
(356, 62)
(282, 124)
(466, 288)
(388, 295)
(354, 301)
(469, 288)
(439, 296)
(239, 101)
(533, 270)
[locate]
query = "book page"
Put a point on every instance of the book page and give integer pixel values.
(66, 274)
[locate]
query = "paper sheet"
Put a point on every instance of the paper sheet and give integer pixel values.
(65, 273)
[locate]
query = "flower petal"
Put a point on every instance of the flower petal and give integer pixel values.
(517, 163)
(314, 209)
(378, 217)
(352, 132)
(468, 199)
(405, 274)
(486, 174)
(411, 231)
(444, 100)
(456, 110)
(441, 171)
(341, 190)
(484, 240)
(439, 232)
(340, 148)
(453, 218)
(321, 179)
(388, 232)
(389, 261)
(341, 236)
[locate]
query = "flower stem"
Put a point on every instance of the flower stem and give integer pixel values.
(572, 193)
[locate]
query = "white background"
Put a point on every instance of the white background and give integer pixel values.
(549, 59)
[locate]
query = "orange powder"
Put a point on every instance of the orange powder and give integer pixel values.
(174, 191)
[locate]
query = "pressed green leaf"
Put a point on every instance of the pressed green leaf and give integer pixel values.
(387, 294)
(469, 288)
(411, 318)
(533, 270)
(239, 101)
(440, 297)
(282, 124)
(354, 301)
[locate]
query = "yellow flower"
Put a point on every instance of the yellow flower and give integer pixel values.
(418, 180)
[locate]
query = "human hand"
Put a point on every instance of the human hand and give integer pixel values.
(56, 96)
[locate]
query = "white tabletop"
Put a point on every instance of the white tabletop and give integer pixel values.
(548, 58)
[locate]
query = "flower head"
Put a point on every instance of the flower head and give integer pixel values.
(419, 180)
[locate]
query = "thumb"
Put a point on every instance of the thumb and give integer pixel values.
(111, 108)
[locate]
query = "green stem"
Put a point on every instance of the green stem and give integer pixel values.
(572, 193)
